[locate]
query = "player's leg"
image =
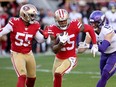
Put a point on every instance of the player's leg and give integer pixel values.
(19, 63)
(61, 67)
(31, 70)
(4, 44)
(103, 60)
(108, 70)
(57, 77)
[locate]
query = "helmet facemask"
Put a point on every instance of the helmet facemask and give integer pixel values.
(32, 18)
(63, 24)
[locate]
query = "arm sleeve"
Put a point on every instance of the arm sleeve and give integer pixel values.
(105, 44)
(90, 30)
(7, 29)
(39, 37)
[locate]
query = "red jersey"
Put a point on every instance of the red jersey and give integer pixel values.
(21, 35)
(69, 50)
(3, 20)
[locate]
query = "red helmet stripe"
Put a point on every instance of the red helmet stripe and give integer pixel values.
(61, 13)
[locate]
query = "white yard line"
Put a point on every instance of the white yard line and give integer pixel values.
(94, 74)
(47, 71)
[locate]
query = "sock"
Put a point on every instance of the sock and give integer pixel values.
(3, 45)
(102, 82)
(57, 80)
(21, 81)
(30, 82)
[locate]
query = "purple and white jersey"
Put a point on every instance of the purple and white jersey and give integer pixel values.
(100, 37)
(104, 31)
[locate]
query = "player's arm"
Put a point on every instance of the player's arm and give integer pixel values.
(7, 29)
(106, 42)
(56, 45)
(39, 37)
(83, 46)
(90, 30)
(59, 41)
(44, 33)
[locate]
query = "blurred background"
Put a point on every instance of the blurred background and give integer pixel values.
(78, 9)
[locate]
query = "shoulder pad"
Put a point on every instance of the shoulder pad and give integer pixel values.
(13, 20)
(74, 20)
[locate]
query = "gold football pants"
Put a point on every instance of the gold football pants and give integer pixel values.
(24, 64)
(64, 66)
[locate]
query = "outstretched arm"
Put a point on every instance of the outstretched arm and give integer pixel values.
(39, 37)
(90, 30)
(83, 46)
(7, 29)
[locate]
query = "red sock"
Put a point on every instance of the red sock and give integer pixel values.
(3, 45)
(30, 82)
(57, 80)
(21, 81)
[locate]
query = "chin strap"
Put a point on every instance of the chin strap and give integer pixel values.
(63, 28)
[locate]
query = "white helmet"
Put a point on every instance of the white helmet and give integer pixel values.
(28, 13)
(62, 18)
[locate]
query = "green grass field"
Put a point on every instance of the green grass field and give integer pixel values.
(86, 74)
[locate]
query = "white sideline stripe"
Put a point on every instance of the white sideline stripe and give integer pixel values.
(95, 77)
(47, 71)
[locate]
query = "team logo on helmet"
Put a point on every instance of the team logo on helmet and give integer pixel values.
(26, 8)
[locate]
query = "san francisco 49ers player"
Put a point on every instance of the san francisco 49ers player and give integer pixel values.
(22, 31)
(63, 38)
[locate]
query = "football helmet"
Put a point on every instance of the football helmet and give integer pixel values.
(112, 6)
(28, 13)
(97, 19)
(61, 18)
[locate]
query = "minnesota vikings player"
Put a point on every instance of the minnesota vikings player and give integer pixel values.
(63, 37)
(22, 31)
(106, 39)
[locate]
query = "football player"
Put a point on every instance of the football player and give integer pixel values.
(111, 14)
(3, 39)
(106, 39)
(63, 38)
(22, 31)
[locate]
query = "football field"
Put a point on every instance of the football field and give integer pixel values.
(86, 74)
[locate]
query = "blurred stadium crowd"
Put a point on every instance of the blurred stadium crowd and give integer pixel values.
(78, 9)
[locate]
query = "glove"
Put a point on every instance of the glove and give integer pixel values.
(94, 49)
(44, 33)
(84, 45)
(63, 38)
